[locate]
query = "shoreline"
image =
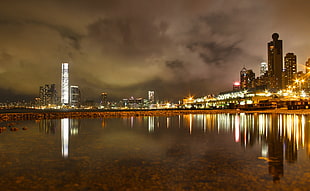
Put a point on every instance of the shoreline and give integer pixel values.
(29, 114)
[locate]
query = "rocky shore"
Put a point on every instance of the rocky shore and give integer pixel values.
(17, 115)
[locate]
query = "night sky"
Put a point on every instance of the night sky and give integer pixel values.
(127, 47)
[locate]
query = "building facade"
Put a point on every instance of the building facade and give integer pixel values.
(247, 78)
(263, 68)
(104, 99)
(48, 95)
(308, 66)
(151, 96)
(75, 96)
(289, 73)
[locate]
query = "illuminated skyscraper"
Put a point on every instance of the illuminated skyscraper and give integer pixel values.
(104, 99)
(263, 68)
(290, 64)
(151, 96)
(65, 84)
(247, 78)
(275, 62)
(75, 96)
(48, 94)
(308, 66)
(307, 84)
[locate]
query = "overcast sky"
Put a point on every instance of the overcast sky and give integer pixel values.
(127, 47)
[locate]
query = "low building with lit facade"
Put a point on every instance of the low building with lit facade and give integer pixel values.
(134, 103)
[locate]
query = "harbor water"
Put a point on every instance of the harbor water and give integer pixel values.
(182, 152)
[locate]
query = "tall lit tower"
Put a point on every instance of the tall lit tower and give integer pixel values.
(263, 68)
(308, 66)
(151, 96)
(275, 62)
(290, 64)
(65, 84)
(247, 78)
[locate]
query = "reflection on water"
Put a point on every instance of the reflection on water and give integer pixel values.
(218, 147)
(65, 137)
(68, 127)
(280, 136)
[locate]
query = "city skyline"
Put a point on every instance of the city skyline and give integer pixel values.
(126, 49)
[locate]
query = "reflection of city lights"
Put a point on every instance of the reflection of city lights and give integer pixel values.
(237, 128)
(151, 124)
(190, 123)
(168, 122)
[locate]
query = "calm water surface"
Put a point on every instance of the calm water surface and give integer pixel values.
(187, 152)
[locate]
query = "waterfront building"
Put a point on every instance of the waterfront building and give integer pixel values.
(307, 75)
(308, 66)
(65, 84)
(104, 99)
(247, 78)
(151, 96)
(290, 64)
(48, 95)
(275, 62)
(75, 96)
(134, 103)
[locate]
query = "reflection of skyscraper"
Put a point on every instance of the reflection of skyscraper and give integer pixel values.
(275, 151)
(275, 63)
(65, 84)
(151, 125)
(65, 137)
(68, 127)
(47, 126)
(290, 150)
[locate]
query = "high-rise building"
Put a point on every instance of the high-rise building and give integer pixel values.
(75, 96)
(290, 64)
(308, 66)
(151, 96)
(104, 99)
(275, 62)
(48, 95)
(263, 68)
(307, 79)
(65, 84)
(247, 78)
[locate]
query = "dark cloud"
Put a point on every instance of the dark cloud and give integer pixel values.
(175, 64)
(126, 48)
